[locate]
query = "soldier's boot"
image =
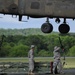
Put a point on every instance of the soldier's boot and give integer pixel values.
(32, 73)
(29, 73)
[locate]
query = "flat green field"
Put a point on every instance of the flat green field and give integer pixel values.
(70, 61)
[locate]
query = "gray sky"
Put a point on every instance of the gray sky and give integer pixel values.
(7, 22)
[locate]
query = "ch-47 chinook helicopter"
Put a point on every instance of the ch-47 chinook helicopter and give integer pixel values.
(41, 8)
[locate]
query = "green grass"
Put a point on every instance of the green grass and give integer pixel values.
(70, 61)
(13, 59)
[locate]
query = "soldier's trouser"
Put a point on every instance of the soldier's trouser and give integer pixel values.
(57, 63)
(31, 65)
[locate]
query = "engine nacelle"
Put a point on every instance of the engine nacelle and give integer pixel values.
(64, 28)
(47, 28)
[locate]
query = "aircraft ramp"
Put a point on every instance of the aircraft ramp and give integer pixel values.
(19, 68)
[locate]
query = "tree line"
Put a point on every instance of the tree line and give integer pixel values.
(19, 45)
(23, 32)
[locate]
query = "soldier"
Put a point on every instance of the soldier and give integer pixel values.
(57, 61)
(31, 59)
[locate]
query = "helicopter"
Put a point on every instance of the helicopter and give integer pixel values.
(41, 8)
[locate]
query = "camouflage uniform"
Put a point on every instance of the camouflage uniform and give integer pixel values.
(57, 61)
(31, 59)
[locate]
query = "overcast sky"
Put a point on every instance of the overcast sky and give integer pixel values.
(7, 22)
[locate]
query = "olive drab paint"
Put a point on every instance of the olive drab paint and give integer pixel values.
(39, 9)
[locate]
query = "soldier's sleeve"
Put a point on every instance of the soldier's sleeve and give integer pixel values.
(31, 54)
(57, 50)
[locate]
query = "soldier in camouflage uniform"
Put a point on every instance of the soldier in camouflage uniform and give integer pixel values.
(31, 59)
(57, 60)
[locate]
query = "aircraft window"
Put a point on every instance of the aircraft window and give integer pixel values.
(13, 8)
(35, 5)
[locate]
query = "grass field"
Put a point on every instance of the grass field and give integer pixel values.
(70, 61)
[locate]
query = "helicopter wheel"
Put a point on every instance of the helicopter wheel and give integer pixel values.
(47, 28)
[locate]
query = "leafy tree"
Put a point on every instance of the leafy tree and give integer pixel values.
(17, 42)
(68, 42)
(19, 51)
(71, 51)
(6, 48)
(43, 53)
